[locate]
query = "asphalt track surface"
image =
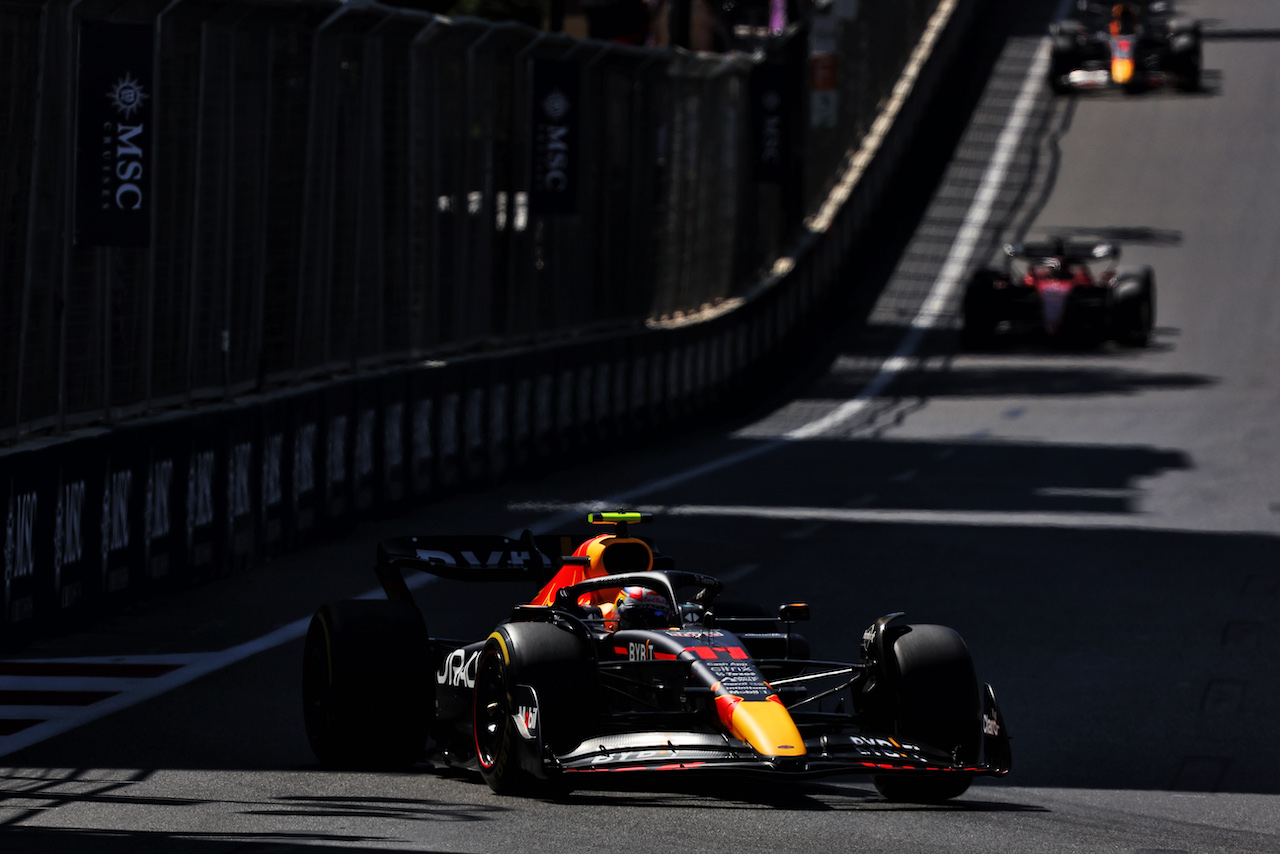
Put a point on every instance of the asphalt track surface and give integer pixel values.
(1100, 525)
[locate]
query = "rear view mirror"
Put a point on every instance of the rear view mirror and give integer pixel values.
(795, 612)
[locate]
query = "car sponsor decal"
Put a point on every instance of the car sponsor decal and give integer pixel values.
(458, 669)
(526, 718)
(637, 651)
(675, 766)
(499, 559)
(740, 678)
(713, 653)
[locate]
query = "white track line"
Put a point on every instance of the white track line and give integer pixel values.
(958, 259)
(931, 311)
(926, 318)
(195, 665)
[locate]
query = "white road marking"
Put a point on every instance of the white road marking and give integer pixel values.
(894, 515)
(133, 691)
(943, 293)
(987, 518)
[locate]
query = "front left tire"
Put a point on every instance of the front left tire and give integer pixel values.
(536, 691)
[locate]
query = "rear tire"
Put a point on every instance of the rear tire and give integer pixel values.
(368, 688)
(979, 311)
(1135, 307)
(557, 668)
(937, 700)
(1065, 57)
(1188, 59)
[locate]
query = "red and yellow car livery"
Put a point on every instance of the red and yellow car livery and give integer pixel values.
(621, 663)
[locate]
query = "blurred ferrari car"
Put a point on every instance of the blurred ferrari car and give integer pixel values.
(620, 663)
(1134, 45)
(1066, 292)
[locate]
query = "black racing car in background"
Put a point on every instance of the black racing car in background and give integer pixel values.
(1067, 292)
(1132, 45)
(622, 663)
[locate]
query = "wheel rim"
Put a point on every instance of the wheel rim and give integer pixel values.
(492, 708)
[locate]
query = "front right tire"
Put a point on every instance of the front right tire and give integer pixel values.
(1134, 311)
(936, 700)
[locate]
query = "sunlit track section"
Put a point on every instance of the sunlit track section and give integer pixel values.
(885, 515)
(937, 305)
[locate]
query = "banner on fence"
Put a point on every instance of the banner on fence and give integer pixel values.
(770, 120)
(114, 154)
(556, 113)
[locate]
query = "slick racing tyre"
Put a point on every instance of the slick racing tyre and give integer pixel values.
(535, 692)
(1187, 58)
(1065, 57)
(1134, 308)
(979, 314)
(937, 701)
(368, 684)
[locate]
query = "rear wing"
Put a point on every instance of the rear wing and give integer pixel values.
(1077, 253)
(463, 557)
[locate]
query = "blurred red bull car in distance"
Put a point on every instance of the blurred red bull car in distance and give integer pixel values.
(1134, 45)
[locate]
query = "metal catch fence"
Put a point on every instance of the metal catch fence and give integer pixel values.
(200, 199)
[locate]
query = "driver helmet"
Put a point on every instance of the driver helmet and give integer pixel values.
(641, 608)
(1123, 19)
(1050, 268)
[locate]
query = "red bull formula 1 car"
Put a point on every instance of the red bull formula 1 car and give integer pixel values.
(622, 663)
(1130, 45)
(1067, 292)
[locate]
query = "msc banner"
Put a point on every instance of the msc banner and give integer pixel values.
(114, 158)
(770, 117)
(555, 112)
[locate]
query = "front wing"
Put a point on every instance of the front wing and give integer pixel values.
(710, 752)
(860, 753)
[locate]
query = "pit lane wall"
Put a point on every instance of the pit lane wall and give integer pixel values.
(104, 516)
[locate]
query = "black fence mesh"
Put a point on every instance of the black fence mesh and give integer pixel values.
(336, 186)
